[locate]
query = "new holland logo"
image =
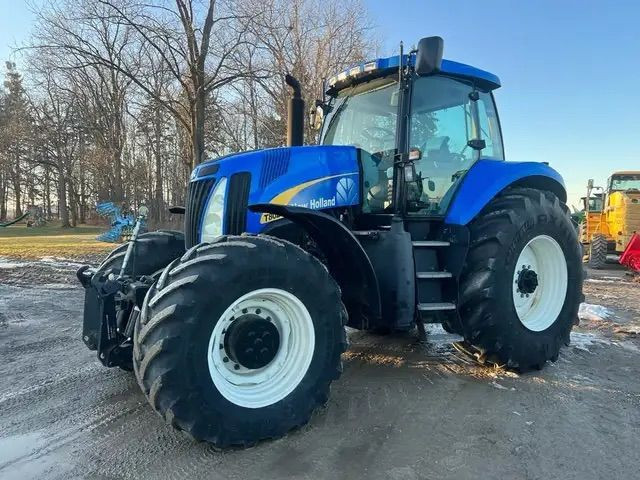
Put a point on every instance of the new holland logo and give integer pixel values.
(322, 202)
(345, 188)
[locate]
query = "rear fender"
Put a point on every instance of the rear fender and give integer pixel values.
(348, 262)
(487, 178)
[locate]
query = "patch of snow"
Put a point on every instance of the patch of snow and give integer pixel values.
(592, 312)
(4, 263)
(58, 286)
(495, 384)
(582, 341)
(60, 262)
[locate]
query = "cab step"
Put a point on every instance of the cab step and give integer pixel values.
(430, 243)
(435, 307)
(425, 275)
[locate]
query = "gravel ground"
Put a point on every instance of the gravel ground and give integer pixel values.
(402, 409)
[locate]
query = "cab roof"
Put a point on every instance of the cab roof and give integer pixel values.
(383, 66)
(626, 172)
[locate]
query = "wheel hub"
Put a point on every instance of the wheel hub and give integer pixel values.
(527, 280)
(252, 341)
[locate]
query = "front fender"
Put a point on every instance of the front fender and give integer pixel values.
(348, 262)
(487, 178)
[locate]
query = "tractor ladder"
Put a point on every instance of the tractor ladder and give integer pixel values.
(436, 285)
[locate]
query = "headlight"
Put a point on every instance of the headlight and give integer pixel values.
(214, 212)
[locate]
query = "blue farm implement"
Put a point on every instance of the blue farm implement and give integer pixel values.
(405, 213)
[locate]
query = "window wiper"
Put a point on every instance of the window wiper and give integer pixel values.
(336, 115)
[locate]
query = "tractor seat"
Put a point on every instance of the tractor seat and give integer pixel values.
(436, 149)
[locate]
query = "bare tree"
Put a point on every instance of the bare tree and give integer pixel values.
(196, 46)
(128, 96)
(311, 39)
(56, 114)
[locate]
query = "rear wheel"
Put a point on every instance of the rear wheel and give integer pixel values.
(522, 283)
(598, 251)
(239, 340)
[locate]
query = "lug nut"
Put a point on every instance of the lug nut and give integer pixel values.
(236, 367)
(225, 359)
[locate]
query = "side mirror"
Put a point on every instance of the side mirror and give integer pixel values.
(590, 183)
(477, 144)
(410, 172)
(316, 115)
(431, 185)
(429, 56)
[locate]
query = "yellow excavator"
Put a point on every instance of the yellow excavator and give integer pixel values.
(611, 217)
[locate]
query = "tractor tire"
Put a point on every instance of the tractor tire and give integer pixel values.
(598, 251)
(196, 343)
(153, 252)
(521, 285)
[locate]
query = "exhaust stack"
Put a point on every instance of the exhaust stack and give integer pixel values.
(295, 114)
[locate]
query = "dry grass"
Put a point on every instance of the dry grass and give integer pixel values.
(22, 242)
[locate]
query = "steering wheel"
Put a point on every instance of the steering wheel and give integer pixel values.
(459, 156)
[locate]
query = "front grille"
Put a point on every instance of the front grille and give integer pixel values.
(275, 164)
(236, 203)
(196, 198)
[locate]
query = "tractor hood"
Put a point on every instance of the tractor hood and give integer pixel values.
(316, 177)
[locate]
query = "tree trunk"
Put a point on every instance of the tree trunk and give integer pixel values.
(157, 150)
(198, 118)
(63, 210)
(82, 203)
(47, 193)
(3, 196)
(118, 190)
(17, 189)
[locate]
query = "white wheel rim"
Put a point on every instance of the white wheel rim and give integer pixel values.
(538, 310)
(257, 388)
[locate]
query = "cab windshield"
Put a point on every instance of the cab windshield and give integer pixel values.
(625, 182)
(366, 116)
(595, 204)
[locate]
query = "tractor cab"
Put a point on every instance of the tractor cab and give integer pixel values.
(624, 182)
(594, 204)
(433, 122)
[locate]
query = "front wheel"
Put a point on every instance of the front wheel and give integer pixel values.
(522, 283)
(239, 340)
(598, 251)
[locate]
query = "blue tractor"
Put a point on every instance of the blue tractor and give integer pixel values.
(405, 213)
